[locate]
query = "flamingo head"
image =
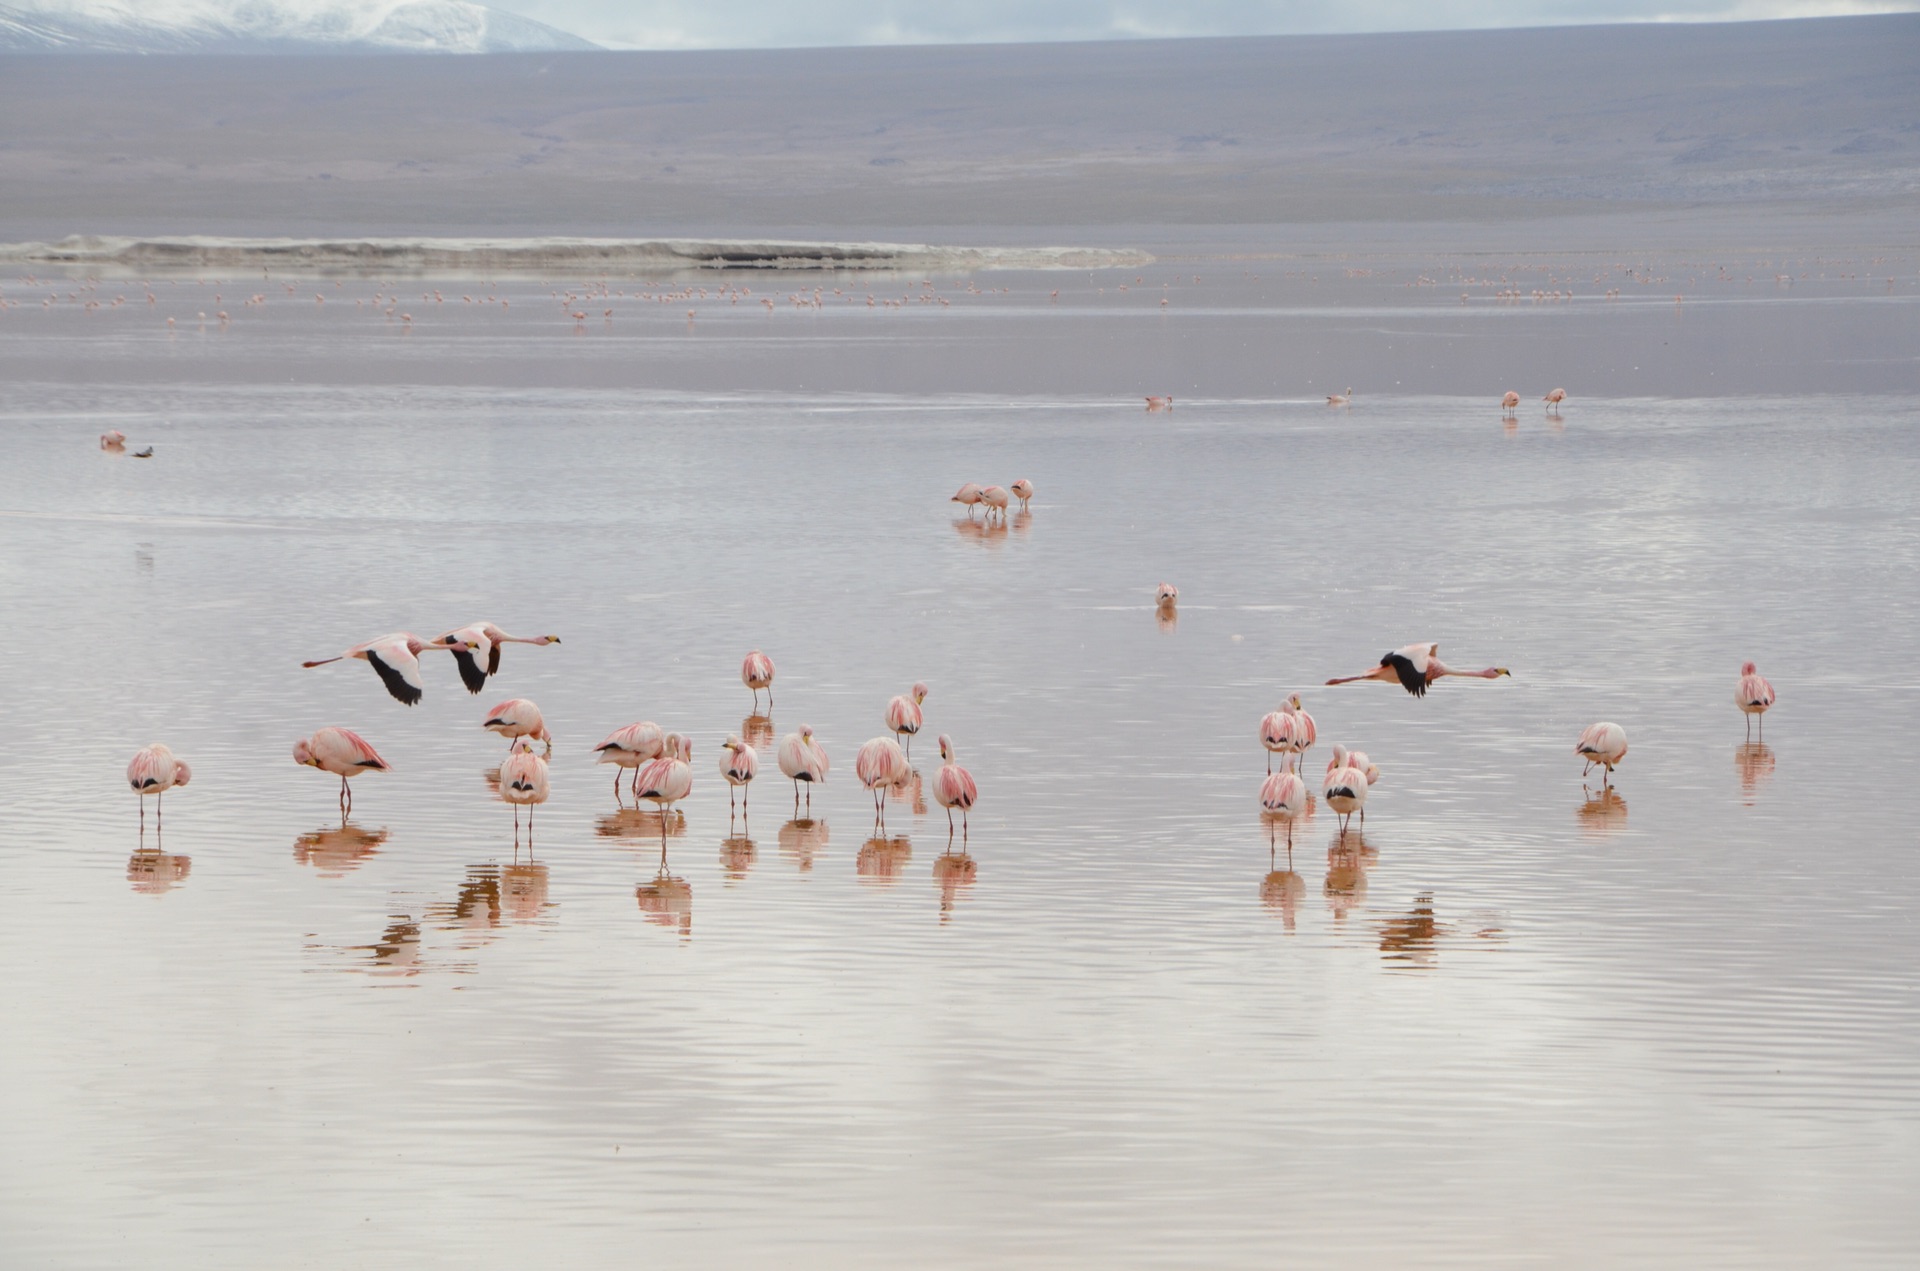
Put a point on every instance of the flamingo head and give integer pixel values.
(521, 746)
(302, 755)
(806, 733)
(1499, 671)
(1294, 701)
(946, 748)
(181, 773)
(1748, 668)
(731, 743)
(919, 693)
(548, 639)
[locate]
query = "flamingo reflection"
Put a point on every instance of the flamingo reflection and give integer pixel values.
(667, 901)
(397, 951)
(882, 860)
(737, 854)
(334, 852)
(955, 873)
(1282, 890)
(989, 533)
(636, 824)
(1602, 812)
(155, 873)
(523, 890)
(1409, 938)
(801, 840)
(1348, 857)
(1755, 762)
(757, 731)
(476, 906)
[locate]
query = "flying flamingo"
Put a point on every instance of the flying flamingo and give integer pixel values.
(523, 782)
(904, 716)
(995, 499)
(629, 747)
(154, 771)
(396, 659)
(953, 787)
(518, 717)
(802, 759)
(1754, 696)
(1510, 402)
(1023, 491)
(969, 495)
(882, 766)
(342, 752)
(1554, 399)
(1604, 744)
(1346, 788)
(1283, 796)
(738, 766)
(1416, 666)
(666, 780)
(476, 648)
(756, 672)
(1340, 399)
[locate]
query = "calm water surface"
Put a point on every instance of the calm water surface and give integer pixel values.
(1512, 1021)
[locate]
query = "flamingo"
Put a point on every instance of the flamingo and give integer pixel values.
(665, 781)
(1023, 491)
(995, 498)
(1416, 666)
(518, 717)
(953, 787)
(396, 659)
(738, 766)
(1277, 735)
(1305, 732)
(1157, 404)
(1368, 769)
(1166, 596)
(969, 495)
(756, 672)
(476, 648)
(802, 759)
(1346, 788)
(904, 716)
(1604, 744)
(1510, 402)
(1283, 796)
(1554, 399)
(882, 766)
(629, 747)
(154, 771)
(1340, 399)
(342, 752)
(1754, 696)
(113, 439)
(523, 782)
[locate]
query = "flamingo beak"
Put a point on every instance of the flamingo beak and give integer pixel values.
(1504, 671)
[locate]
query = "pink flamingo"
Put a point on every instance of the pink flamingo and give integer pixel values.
(476, 648)
(630, 747)
(1023, 491)
(1554, 399)
(1305, 732)
(396, 659)
(523, 783)
(1754, 696)
(802, 759)
(154, 771)
(1510, 402)
(342, 752)
(1276, 734)
(1166, 596)
(666, 780)
(1358, 759)
(953, 787)
(113, 439)
(1604, 744)
(1155, 405)
(517, 717)
(1340, 399)
(968, 495)
(738, 767)
(756, 672)
(1346, 788)
(882, 766)
(995, 499)
(904, 716)
(1416, 666)
(1283, 797)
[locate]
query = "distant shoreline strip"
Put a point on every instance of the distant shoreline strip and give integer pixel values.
(531, 255)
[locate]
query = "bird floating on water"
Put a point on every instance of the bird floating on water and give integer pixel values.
(1416, 666)
(342, 752)
(113, 439)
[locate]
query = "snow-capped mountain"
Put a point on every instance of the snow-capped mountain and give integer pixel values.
(272, 26)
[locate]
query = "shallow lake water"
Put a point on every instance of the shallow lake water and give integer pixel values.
(1514, 1019)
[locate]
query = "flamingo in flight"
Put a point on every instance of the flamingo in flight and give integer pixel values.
(954, 787)
(396, 659)
(1754, 696)
(1416, 666)
(802, 759)
(476, 648)
(517, 717)
(904, 716)
(738, 767)
(154, 771)
(630, 747)
(756, 672)
(342, 752)
(1604, 744)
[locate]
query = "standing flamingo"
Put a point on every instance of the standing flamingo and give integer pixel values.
(882, 766)
(396, 659)
(629, 747)
(1510, 402)
(518, 717)
(756, 672)
(738, 767)
(665, 781)
(1346, 788)
(995, 499)
(1277, 735)
(1283, 796)
(904, 716)
(113, 439)
(1340, 399)
(1023, 491)
(1416, 666)
(342, 752)
(1156, 405)
(1754, 696)
(1554, 399)
(1604, 744)
(802, 759)
(154, 771)
(953, 787)
(968, 495)
(523, 783)
(476, 648)
(1305, 732)
(1166, 596)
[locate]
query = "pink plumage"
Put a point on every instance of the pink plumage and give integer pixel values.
(954, 787)
(904, 716)
(517, 717)
(154, 771)
(756, 672)
(1754, 696)
(1603, 743)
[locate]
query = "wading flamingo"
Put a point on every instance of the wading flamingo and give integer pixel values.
(523, 783)
(1346, 788)
(1511, 402)
(756, 672)
(1604, 744)
(476, 648)
(1367, 767)
(1554, 399)
(1166, 596)
(1754, 696)
(802, 759)
(969, 495)
(904, 716)
(1276, 734)
(629, 747)
(517, 717)
(113, 439)
(1023, 491)
(154, 771)
(882, 766)
(1283, 796)
(665, 781)
(1305, 732)
(1155, 405)
(995, 499)
(1339, 399)
(342, 752)
(1415, 667)
(738, 767)
(953, 787)
(396, 659)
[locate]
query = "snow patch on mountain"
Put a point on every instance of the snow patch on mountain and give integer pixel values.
(273, 26)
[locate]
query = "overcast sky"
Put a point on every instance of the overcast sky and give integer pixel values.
(781, 23)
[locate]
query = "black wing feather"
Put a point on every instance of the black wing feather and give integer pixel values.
(493, 661)
(1410, 677)
(403, 692)
(470, 673)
